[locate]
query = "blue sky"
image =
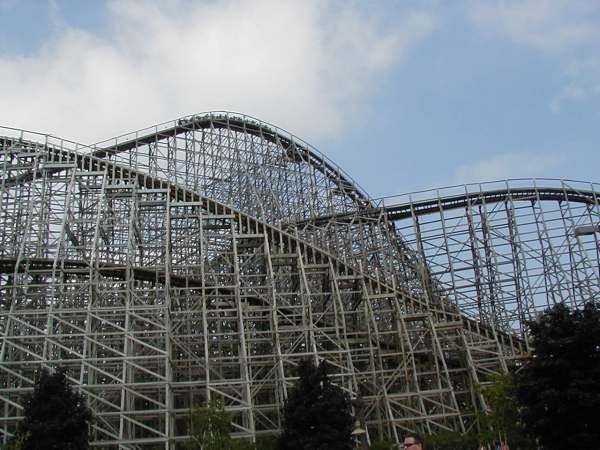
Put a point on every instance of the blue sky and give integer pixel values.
(403, 95)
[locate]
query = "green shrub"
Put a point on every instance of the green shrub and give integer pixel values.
(383, 445)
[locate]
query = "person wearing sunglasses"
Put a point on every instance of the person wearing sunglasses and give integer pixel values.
(413, 441)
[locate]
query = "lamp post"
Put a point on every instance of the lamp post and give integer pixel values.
(359, 432)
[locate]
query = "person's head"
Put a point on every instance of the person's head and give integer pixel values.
(413, 441)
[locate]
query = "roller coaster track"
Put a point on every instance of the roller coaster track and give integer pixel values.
(295, 149)
(94, 163)
(420, 208)
(463, 349)
(97, 161)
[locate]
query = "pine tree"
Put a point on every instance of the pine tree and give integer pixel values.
(559, 387)
(317, 413)
(56, 417)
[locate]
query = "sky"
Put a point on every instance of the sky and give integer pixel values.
(403, 95)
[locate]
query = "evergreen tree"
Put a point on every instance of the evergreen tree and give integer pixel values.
(559, 387)
(56, 417)
(317, 413)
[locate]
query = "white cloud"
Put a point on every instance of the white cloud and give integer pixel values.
(549, 25)
(304, 66)
(506, 166)
(566, 29)
(583, 83)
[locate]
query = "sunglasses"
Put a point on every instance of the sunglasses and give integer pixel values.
(409, 445)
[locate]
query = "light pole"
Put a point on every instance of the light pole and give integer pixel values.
(359, 432)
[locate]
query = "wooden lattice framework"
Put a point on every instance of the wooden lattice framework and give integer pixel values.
(206, 257)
